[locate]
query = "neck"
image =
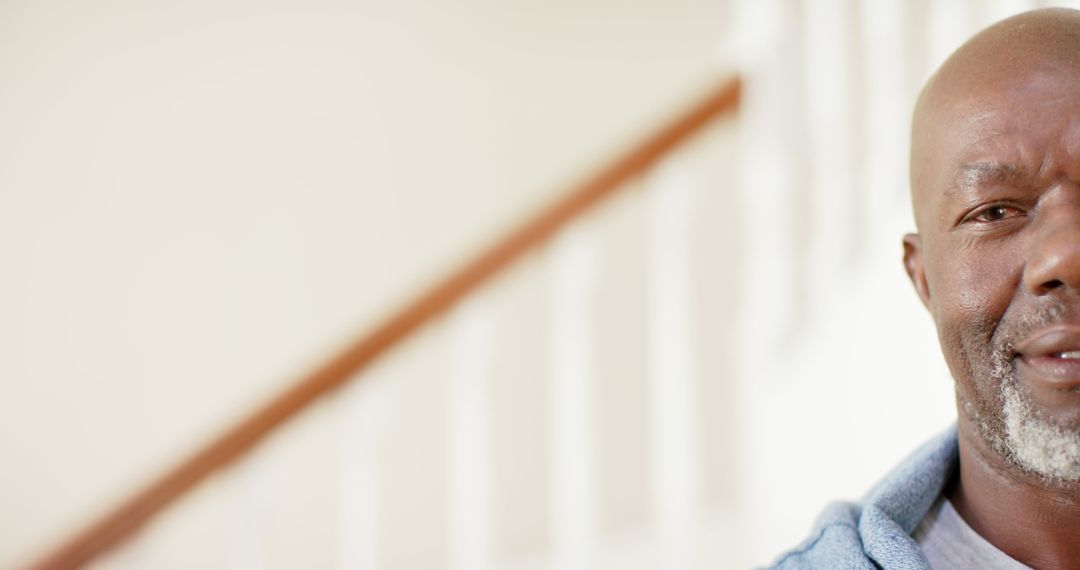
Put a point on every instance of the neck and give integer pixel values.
(1035, 522)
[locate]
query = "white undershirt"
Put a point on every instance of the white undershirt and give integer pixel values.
(950, 544)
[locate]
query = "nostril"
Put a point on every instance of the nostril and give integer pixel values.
(1052, 284)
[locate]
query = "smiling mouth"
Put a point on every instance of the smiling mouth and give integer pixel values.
(1053, 356)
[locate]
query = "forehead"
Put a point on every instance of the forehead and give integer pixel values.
(1035, 105)
(998, 128)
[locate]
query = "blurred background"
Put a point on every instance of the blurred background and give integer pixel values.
(201, 201)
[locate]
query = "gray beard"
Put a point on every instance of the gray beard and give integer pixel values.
(1033, 442)
(1030, 441)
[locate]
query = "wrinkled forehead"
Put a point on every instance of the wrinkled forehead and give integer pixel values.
(1037, 103)
(1023, 120)
(1015, 81)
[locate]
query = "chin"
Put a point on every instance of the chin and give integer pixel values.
(1037, 442)
(1034, 428)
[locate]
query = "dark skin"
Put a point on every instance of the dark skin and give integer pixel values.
(996, 194)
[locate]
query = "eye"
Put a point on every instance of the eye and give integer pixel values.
(995, 213)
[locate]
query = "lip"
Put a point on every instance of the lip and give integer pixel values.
(1041, 353)
(1050, 341)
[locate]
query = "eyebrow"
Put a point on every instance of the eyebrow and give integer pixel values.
(974, 174)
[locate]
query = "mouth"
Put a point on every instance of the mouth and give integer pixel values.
(1052, 356)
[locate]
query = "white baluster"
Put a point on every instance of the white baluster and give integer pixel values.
(363, 410)
(950, 25)
(1001, 9)
(571, 421)
(831, 111)
(889, 99)
(471, 342)
(675, 443)
(770, 119)
(251, 496)
(769, 214)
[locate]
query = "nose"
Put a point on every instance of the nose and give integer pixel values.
(1054, 260)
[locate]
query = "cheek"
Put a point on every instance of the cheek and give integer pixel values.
(969, 294)
(981, 291)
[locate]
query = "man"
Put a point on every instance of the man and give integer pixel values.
(995, 178)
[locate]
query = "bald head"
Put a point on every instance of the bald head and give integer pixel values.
(1007, 60)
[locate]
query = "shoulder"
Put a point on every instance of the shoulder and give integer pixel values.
(834, 543)
(876, 532)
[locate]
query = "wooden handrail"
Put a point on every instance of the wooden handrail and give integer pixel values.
(118, 524)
